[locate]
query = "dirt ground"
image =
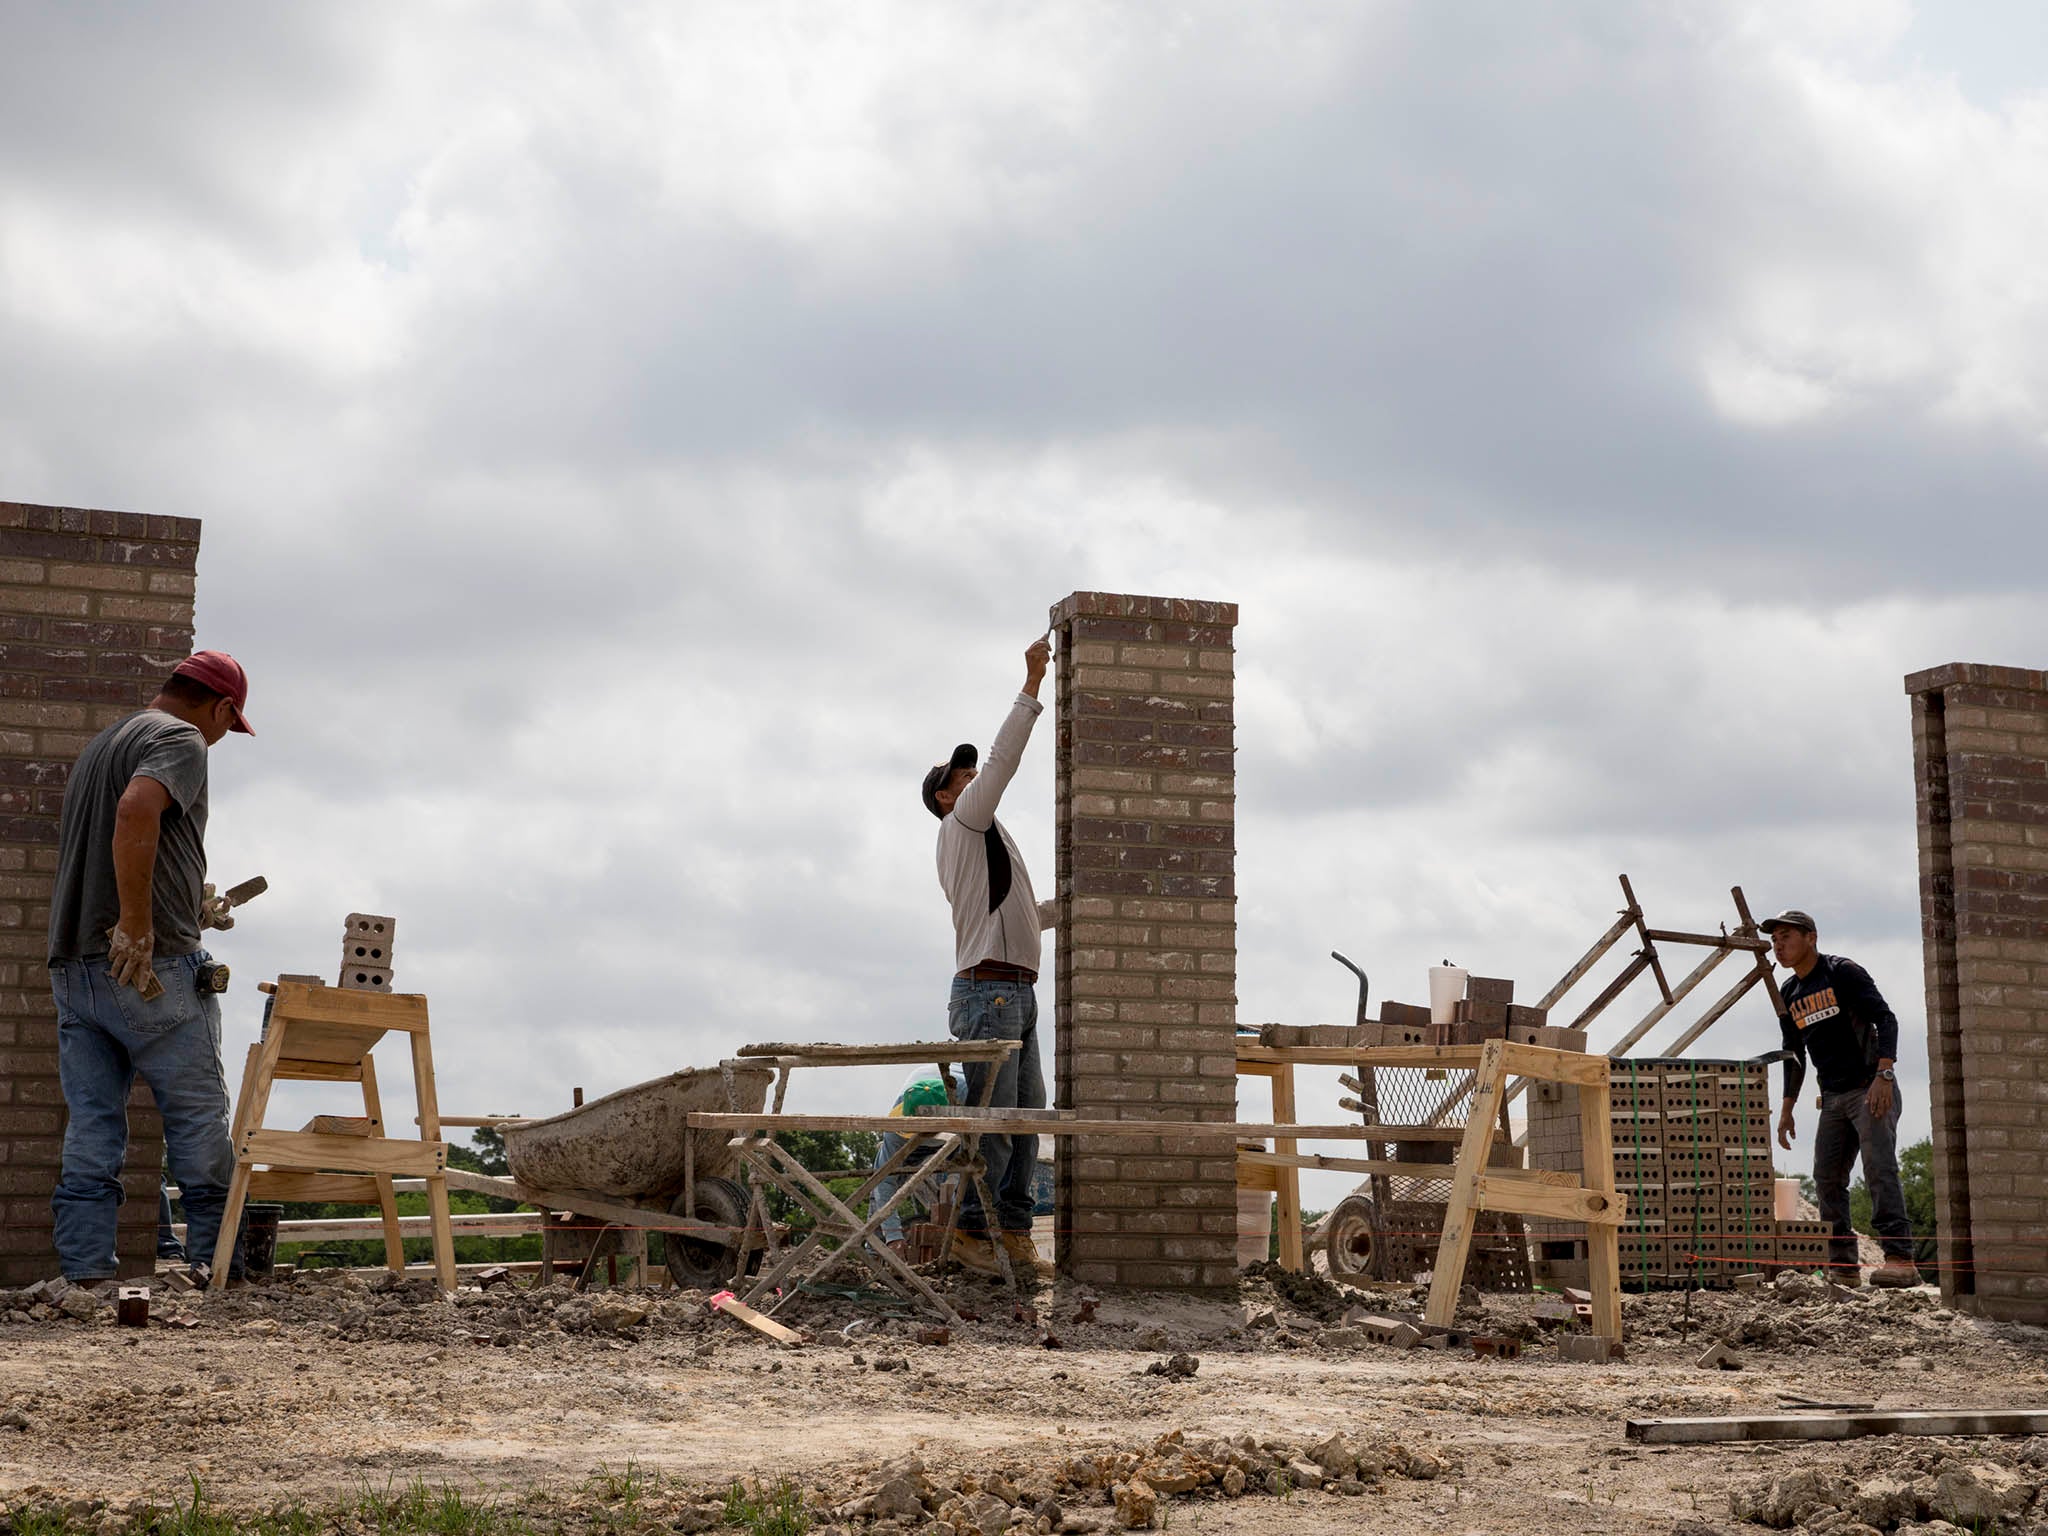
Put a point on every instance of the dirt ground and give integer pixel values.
(310, 1388)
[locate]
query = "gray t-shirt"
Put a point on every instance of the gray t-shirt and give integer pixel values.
(86, 903)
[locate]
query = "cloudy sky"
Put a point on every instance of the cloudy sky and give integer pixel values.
(633, 440)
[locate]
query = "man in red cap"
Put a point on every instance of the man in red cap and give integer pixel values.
(125, 917)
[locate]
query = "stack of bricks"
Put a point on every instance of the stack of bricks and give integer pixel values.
(1692, 1152)
(95, 610)
(366, 943)
(1146, 985)
(1489, 1011)
(1980, 758)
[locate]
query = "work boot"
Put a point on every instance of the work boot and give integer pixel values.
(1024, 1256)
(1896, 1273)
(973, 1250)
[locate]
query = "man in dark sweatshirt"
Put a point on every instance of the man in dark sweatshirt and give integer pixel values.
(1835, 1015)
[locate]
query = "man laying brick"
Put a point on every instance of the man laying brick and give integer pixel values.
(125, 918)
(996, 923)
(1835, 1014)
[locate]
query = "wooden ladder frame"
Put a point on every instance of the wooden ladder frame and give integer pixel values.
(1590, 1198)
(325, 1034)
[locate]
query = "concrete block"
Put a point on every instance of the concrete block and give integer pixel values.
(366, 978)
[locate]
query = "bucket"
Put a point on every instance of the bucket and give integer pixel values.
(259, 1237)
(1785, 1199)
(1446, 991)
(1254, 1226)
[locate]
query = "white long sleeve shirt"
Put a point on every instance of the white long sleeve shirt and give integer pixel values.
(1007, 928)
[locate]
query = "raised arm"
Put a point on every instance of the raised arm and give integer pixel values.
(976, 807)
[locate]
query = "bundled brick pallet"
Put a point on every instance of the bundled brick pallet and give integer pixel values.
(1692, 1152)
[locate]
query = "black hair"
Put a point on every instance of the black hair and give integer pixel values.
(184, 690)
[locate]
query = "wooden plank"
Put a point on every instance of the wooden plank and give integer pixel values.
(467, 1121)
(346, 1154)
(428, 1102)
(1459, 1210)
(294, 1070)
(1250, 1159)
(1528, 1198)
(1721, 941)
(311, 1188)
(1257, 1176)
(335, 1045)
(387, 1197)
(1287, 1205)
(1596, 1163)
(336, 1229)
(1362, 1055)
(348, 1008)
(732, 1306)
(584, 1203)
(1554, 1066)
(337, 1125)
(909, 1054)
(720, 1120)
(1591, 958)
(1840, 1426)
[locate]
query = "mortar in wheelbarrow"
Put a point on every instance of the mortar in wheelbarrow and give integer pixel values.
(629, 1144)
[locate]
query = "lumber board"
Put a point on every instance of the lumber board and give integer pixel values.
(1549, 1065)
(722, 1120)
(299, 1071)
(1466, 1056)
(1462, 1205)
(1246, 1158)
(1287, 1185)
(1529, 1198)
(1840, 1426)
(1257, 1176)
(730, 1304)
(310, 1188)
(339, 1229)
(584, 1203)
(347, 1154)
(909, 1054)
(348, 1008)
(337, 1125)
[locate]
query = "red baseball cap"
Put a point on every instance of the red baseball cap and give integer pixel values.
(224, 675)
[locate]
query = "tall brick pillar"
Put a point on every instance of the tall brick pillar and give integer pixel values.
(1980, 758)
(95, 610)
(1146, 988)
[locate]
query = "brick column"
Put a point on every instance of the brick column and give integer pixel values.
(1146, 986)
(95, 610)
(1980, 759)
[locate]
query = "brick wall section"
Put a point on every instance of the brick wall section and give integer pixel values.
(95, 610)
(1980, 748)
(1146, 985)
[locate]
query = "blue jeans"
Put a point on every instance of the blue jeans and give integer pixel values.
(1001, 1010)
(106, 1035)
(1846, 1128)
(892, 1224)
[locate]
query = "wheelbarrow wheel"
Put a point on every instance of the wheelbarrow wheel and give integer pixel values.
(701, 1263)
(1351, 1240)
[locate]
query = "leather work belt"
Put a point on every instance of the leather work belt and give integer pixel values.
(996, 970)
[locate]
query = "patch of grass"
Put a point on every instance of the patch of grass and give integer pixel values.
(625, 1485)
(420, 1510)
(776, 1511)
(40, 1522)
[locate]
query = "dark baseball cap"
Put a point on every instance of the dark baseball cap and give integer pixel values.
(1791, 917)
(964, 756)
(224, 675)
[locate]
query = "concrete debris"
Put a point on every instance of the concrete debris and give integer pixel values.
(1719, 1354)
(1911, 1493)
(14, 1419)
(613, 1313)
(1137, 1505)
(1175, 1368)
(80, 1303)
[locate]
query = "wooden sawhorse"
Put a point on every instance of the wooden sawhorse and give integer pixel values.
(325, 1034)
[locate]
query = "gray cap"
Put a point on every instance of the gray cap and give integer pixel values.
(1791, 917)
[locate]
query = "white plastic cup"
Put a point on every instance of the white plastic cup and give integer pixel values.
(1785, 1199)
(1446, 991)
